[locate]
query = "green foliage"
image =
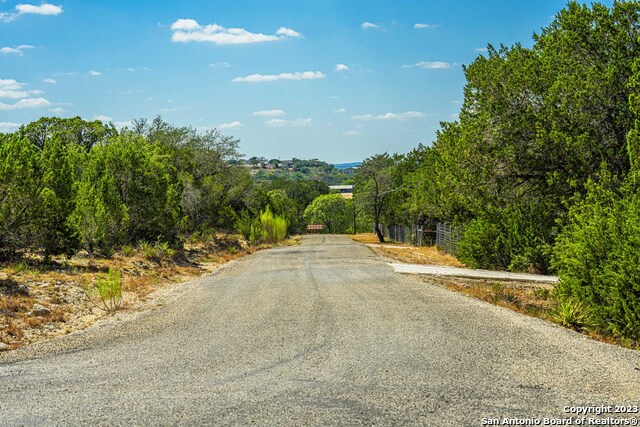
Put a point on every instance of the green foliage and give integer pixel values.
(597, 255)
(19, 191)
(296, 170)
(333, 211)
(572, 314)
(274, 227)
(106, 293)
(249, 227)
(377, 189)
(514, 238)
(59, 162)
(100, 216)
(158, 253)
(534, 128)
(266, 227)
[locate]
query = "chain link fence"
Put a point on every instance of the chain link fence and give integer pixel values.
(442, 234)
(447, 237)
(415, 235)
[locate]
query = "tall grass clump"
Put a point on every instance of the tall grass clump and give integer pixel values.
(274, 227)
(266, 228)
(106, 293)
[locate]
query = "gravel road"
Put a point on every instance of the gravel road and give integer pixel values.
(324, 333)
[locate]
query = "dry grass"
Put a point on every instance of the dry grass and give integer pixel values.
(366, 238)
(427, 255)
(59, 285)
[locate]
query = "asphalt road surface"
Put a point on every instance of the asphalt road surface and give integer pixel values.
(324, 333)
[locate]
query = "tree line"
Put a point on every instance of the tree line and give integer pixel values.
(70, 184)
(542, 168)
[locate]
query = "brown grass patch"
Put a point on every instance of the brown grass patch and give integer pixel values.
(426, 255)
(366, 238)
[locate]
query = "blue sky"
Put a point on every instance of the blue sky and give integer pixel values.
(338, 80)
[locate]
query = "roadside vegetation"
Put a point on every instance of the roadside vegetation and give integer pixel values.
(96, 218)
(542, 166)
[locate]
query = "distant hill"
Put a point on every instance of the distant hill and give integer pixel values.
(262, 169)
(342, 166)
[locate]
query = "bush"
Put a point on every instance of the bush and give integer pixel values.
(158, 253)
(249, 227)
(274, 227)
(511, 239)
(106, 293)
(597, 255)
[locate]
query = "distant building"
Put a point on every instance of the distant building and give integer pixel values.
(345, 191)
(349, 171)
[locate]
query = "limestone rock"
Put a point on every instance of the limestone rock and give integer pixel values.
(40, 310)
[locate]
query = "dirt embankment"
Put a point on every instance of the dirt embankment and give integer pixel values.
(40, 301)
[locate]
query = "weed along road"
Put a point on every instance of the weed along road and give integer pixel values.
(324, 333)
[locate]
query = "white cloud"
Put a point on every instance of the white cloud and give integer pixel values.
(369, 26)
(185, 25)
(279, 123)
(12, 89)
(340, 110)
(269, 113)
(10, 84)
(258, 78)
(57, 110)
(341, 67)
(391, 116)
(42, 9)
(95, 73)
(4, 126)
(220, 64)
(189, 30)
(352, 133)
(433, 64)
(18, 50)
(103, 118)
(231, 125)
(50, 81)
(26, 103)
(8, 16)
(425, 26)
(481, 49)
(288, 32)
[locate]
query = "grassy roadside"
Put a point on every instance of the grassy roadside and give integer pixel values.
(40, 301)
(528, 298)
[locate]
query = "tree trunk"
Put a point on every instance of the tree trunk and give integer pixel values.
(379, 233)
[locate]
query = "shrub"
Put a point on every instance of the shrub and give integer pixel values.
(268, 228)
(274, 227)
(597, 255)
(572, 314)
(106, 293)
(512, 239)
(158, 253)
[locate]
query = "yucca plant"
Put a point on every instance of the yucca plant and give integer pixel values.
(572, 314)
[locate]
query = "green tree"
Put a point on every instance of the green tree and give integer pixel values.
(19, 190)
(376, 181)
(57, 197)
(331, 210)
(100, 216)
